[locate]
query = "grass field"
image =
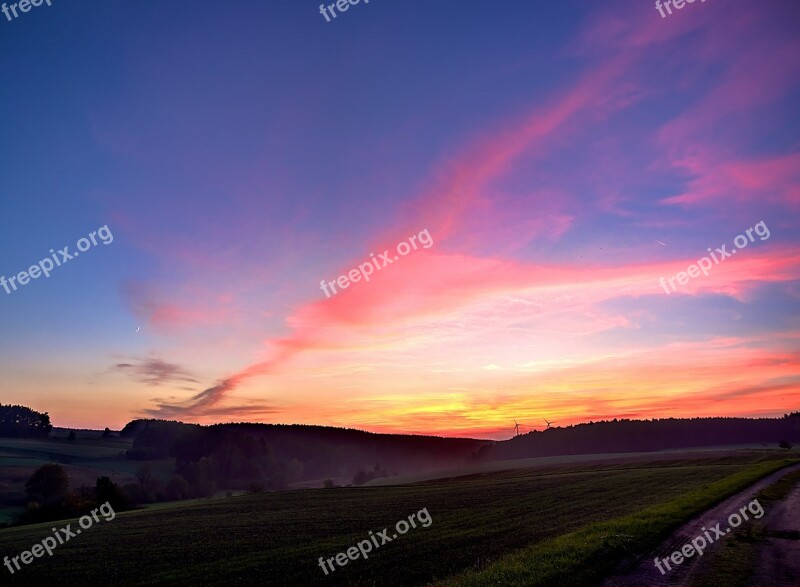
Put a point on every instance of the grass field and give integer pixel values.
(586, 555)
(85, 459)
(277, 538)
(96, 452)
(498, 466)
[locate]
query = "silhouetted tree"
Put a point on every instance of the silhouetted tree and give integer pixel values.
(108, 491)
(47, 482)
(22, 422)
(144, 475)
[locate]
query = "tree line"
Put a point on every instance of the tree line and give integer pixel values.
(623, 435)
(270, 456)
(22, 422)
(50, 497)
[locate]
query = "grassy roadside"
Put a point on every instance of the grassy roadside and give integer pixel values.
(734, 565)
(593, 551)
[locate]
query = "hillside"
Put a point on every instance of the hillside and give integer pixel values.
(235, 455)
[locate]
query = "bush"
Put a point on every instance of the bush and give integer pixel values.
(80, 501)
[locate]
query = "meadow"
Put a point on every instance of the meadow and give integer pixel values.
(482, 525)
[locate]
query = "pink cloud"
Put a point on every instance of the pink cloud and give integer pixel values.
(460, 208)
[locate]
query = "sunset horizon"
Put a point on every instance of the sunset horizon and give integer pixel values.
(601, 241)
(400, 293)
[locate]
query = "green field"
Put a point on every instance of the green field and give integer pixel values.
(277, 538)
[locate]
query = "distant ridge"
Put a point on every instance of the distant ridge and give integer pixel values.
(234, 455)
(611, 436)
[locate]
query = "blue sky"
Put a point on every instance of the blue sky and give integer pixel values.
(241, 153)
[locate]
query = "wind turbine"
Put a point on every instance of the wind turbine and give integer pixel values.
(516, 427)
(548, 423)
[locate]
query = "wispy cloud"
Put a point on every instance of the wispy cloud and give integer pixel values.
(154, 371)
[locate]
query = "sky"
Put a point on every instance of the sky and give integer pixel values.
(557, 163)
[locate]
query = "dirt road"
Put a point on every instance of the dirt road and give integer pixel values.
(778, 557)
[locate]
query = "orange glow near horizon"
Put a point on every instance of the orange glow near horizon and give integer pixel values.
(554, 211)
